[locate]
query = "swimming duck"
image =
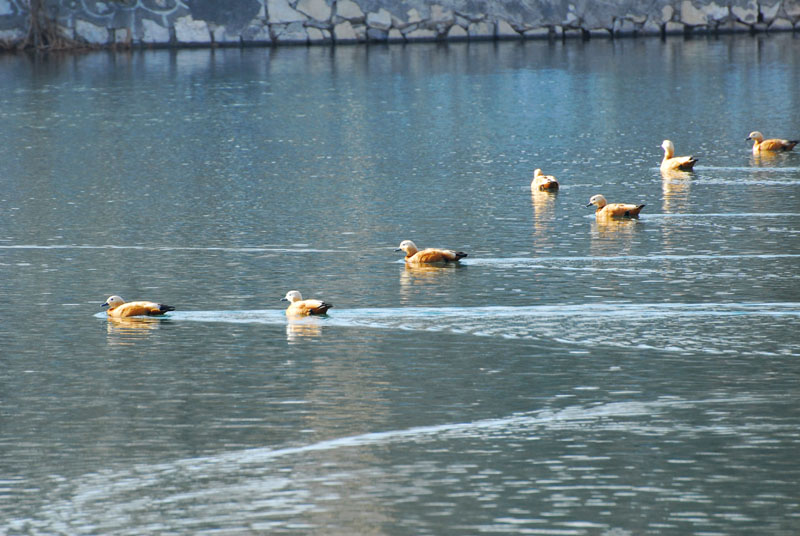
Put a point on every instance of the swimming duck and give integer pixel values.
(119, 308)
(670, 163)
(613, 210)
(774, 144)
(543, 182)
(300, 307)
(429, 255)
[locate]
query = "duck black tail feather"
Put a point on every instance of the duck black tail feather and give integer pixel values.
(322, 309)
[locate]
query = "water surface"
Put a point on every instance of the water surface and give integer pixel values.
(571, 377)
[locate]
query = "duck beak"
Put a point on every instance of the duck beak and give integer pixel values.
(748, 139)
(104, 305)
(398, 249)
(589, 205)
(284, 299)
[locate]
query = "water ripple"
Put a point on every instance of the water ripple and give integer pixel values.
(280, 487)
(713, 328)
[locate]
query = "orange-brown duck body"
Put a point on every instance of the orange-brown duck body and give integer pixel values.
(300, 307)
(119, 308)
(543, 182)
(675, 163)
(614, 210)
(429, 255)
(771, 145)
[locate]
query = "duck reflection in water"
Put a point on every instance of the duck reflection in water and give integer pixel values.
(614, 236)
(544, 219)
(769, 158)
(415, 277)
(126, 331)
(675, 189)
(544, 206)
(429, 271)
(615, 226)
(299, 328)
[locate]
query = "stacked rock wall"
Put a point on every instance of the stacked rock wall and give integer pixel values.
(274, 22)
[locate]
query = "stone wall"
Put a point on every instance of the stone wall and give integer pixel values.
(273, 22)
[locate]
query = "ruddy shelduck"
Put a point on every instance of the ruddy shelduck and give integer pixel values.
(613, 210)
(429, 255)
(119, 308)
(672, 163)
(300, 307)
(771, 145)
(543, 182)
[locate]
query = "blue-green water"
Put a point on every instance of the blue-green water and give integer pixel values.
(571, 377)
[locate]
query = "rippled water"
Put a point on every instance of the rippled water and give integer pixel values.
(571, 377)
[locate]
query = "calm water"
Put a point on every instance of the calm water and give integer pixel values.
(570, 378)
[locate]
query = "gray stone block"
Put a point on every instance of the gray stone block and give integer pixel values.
(293, 33)
(122, 37)
(745, 11)
(623, 27)
(381, 20)
(666, 13)
(12, 37)
(414, 16)
(344, 32)
(441, 16)
(600, 33)
(280, 12)
(318, 10)
(152, 33)
(674, 28)
(457, 33)
(421, 34)
(349, 10)
(222, 35)
(375, 34)
(481, 30)
(505, 31)
(598, 13)
(792, 9)
(317, 36)
(769, 11)
(780, 25)
(256, 34)
(91, 33)
(692, 16)
(234, 15)
(190, 31)
(8, 9)
(537, 33)
(651, 27)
